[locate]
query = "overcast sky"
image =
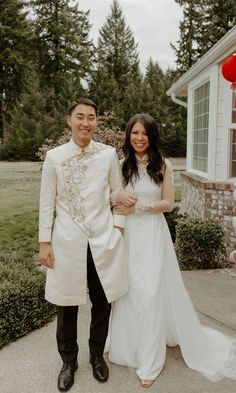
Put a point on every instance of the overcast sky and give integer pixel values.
(154, 23)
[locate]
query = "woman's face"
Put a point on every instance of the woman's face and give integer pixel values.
(139, 139)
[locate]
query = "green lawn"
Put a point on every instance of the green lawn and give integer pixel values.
(19, 198)
(178, 185)
(19, 195)
(179, 165)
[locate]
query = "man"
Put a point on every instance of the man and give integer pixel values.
(85, 246)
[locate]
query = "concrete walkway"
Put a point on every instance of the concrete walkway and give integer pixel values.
(31, 364)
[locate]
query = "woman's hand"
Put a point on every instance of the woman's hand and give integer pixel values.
(126, 199)
(124, 210)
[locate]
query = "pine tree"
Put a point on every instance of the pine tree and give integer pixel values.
(65, 54)
(171, 119)
(105, 92)
(15, 50)
(154, 80)
(186, 49)
(118, 62)
(173, 125)
(219, 18)
(147, 100)
(204, 23)
(29, 122)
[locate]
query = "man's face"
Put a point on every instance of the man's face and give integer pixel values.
(83, 123)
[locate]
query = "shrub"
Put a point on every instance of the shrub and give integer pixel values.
(172, 219)
(105, 133)
(22, 304)
(200, 244)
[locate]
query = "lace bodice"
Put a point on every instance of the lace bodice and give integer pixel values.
(146, 190)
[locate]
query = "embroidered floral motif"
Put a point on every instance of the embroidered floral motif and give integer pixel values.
(169, 168)
(74, 170)
(144, 205)
(137, 286)
(113, 197)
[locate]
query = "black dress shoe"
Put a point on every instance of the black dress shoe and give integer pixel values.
(100, 369)
(66, 376)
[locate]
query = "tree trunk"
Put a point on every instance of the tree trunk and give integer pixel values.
(4, 121)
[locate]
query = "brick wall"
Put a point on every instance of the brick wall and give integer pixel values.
(202, 198)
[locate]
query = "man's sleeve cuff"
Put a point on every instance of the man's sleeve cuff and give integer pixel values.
(44, 236)
(119, 220)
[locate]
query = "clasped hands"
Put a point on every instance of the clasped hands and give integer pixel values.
(126, 203)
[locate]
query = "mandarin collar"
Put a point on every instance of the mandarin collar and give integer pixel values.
(143, 160)
(81, 150)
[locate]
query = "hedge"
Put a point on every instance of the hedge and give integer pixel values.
(172, 219)
(22, 304)
(200, 244)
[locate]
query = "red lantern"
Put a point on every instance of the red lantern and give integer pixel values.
(229, 70)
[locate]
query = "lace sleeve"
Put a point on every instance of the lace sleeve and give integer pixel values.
(113, 196)
(166, 203)
(114, 193)
(169, 168)
(143, 205)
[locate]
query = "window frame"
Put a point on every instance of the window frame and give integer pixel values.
(211, 76)
(231, 160)
(199, 104)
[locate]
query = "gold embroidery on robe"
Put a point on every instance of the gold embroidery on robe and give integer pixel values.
(74, 170)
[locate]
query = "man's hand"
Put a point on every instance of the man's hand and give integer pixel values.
(46, 255)
(120, 229)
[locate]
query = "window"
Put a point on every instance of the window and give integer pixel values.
(233, 154)
(200, 127)
(234, 106)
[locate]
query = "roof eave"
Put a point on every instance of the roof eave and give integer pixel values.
(223, 48)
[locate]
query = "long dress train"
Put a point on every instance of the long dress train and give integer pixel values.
(157, 310)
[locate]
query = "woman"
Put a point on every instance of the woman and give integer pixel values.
(157, 310)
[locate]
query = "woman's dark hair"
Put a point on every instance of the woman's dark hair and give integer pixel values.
(156, 161)
(84, 101)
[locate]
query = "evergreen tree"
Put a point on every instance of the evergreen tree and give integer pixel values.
(171, 119)
(132, 100)
(105, 92)
(65, 54)
(15, 49)
(154, 81)
(219, 18)
(186, 49)
(118, 62)
(204, 23)
(29, 123)
(173, 125)
(147, 100)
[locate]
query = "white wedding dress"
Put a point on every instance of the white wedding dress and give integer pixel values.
(157, 310)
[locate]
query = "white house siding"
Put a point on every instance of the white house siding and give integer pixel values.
(219, 130)
(211, 194)
(221, 164)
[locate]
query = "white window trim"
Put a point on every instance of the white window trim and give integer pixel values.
(210, 75)
(228, 127)
(227, 94)
(230, 178)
